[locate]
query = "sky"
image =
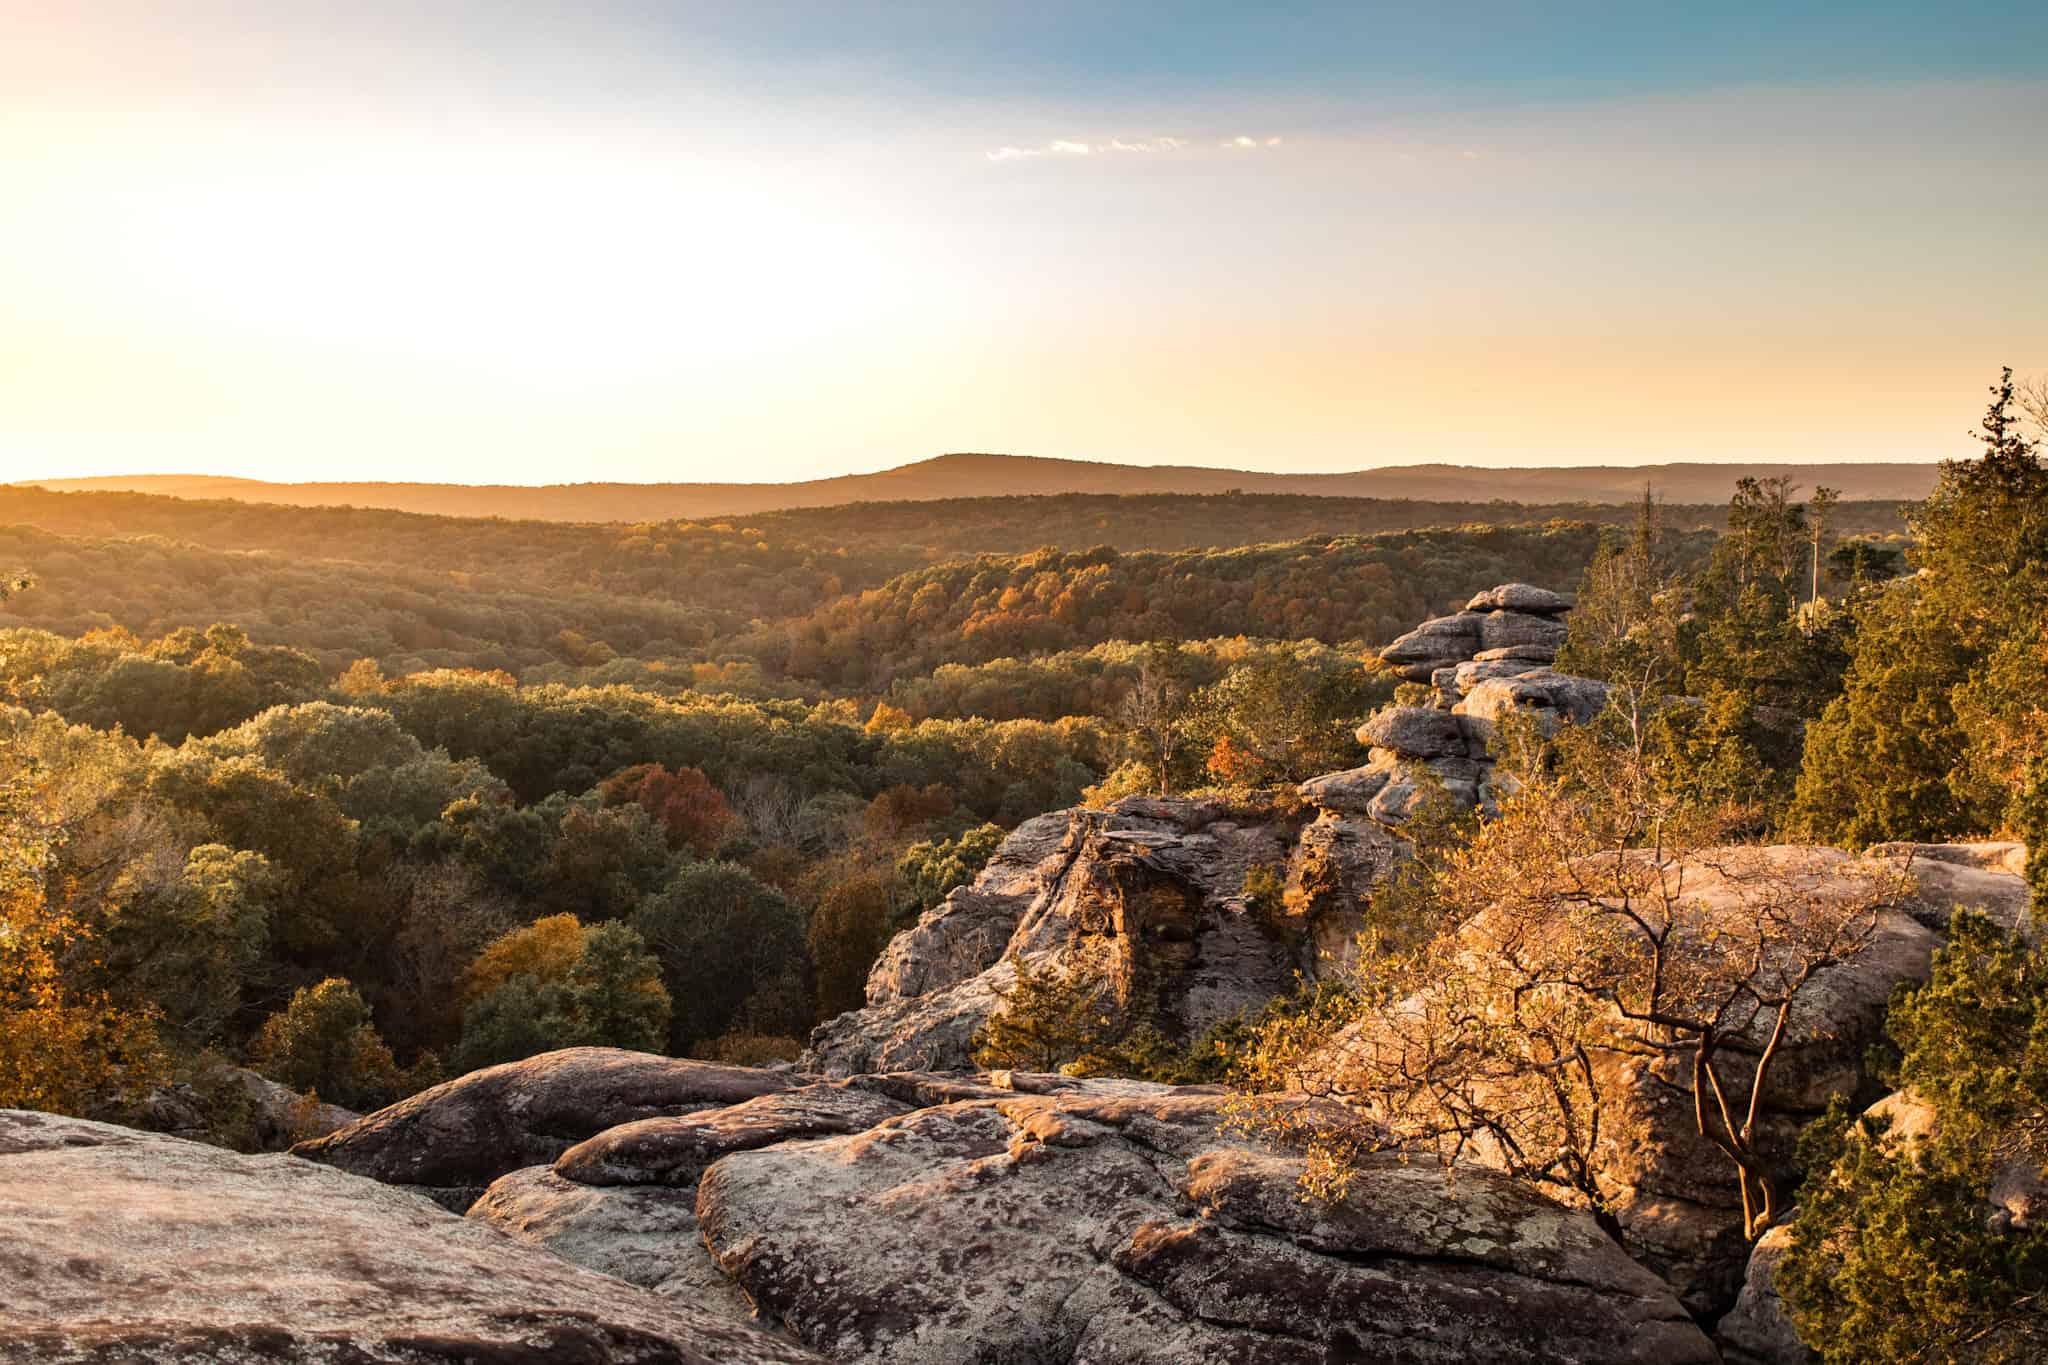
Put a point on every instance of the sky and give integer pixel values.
(539, 243)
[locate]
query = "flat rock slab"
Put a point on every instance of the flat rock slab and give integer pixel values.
(455, 1139)
(131, 1247)
(675, 1151)
(1090, 1228)
(1520, 597)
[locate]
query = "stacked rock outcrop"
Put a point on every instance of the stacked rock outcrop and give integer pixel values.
(1507, 630)
(1488, 661)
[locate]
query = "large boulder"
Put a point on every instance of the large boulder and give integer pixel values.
(1414, 731)
(966, 934)
(131, 1247)
(1116, 1223)
(452, 1141)
(1757, 1331)
(675, 1151)
(1552, 697)
(1673, 1192)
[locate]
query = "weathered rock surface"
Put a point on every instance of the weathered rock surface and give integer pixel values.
(1148, 895)
(124, 1246)
(452, 1141)
(643, 1234)
(1415, 731)
(1756, 1331)
(1115, 1224)
(1512, 629)
(1552, 696)
(1484, 662)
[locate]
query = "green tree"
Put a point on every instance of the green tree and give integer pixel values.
(848, 931)
(192, 949)
(557, 983)
(1942, 686)
(929, 869)
(1048, 1018)
(324, 1041)
(1899, 1253)
(731, 952)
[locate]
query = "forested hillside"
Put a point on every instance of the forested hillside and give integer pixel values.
(966, 475)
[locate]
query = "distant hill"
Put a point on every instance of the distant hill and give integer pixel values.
(976, 476)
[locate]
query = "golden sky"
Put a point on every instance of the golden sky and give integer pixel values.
(673, 242)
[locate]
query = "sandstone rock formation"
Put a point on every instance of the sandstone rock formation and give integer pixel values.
(124, 1246)
(1511, 623)
(1149, 895)
(453, 1140)
(1485, 662)
(238, 1108)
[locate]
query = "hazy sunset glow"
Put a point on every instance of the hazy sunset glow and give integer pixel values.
(688, 241)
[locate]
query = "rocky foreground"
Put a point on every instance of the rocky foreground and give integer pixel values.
(904, 1217)
(882, 1201)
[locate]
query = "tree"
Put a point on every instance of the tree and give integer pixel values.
(1820, 508)
(929, 869)
(557, 983)
(1282, 719)
(1944, 669)
(1047, 1019)
(1899, 1251)
(848, 931)
(324, 1041)
(691, 812)
(731, 952)
(61, 1049)
(1154, 709)
(1597, 919)
(194, 948)
(1623, 627)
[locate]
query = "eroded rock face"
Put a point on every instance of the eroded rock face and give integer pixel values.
(1149, 896)
(452, 1141)
(1113, 1223)
(130, 1247)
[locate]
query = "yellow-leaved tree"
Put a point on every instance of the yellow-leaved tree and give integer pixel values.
(61, 1049)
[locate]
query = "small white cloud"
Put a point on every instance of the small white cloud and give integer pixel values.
(1118, 146)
